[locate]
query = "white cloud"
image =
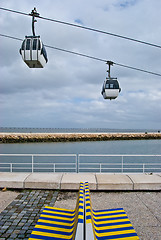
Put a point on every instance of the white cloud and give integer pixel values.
(66, 93)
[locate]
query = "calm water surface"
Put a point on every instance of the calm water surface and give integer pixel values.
(100, 147)
(148, 147)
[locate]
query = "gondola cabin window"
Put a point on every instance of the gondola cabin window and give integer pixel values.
(34, 44)
(28, 44)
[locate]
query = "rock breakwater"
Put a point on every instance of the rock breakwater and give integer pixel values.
(73, 137)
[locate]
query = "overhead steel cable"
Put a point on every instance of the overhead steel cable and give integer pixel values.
(14, 11)
(101, 31)
(11, 37)
(76, 53)
(88, 56)
(86, 28)
(137, 69)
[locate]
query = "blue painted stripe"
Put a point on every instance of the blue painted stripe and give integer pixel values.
(108, 210)
(88, 211)
(117, 236)
(109, 219)
(54, 225)
(80, 207)
(45, 238)
(58, 215)
(111, 224)
(80, 213)
(80, 220)
(59, 210)
(109, 214)
(53, 231)
(88, 204)
(114, 230)
(56, 220)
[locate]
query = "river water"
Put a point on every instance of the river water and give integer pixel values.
(86, 163)
(72, 130)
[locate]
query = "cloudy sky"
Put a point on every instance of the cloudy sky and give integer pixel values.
(66, 93)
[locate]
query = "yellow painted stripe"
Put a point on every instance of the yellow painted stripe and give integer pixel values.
(105, 217)
(54, 228)
(51, 235)
(109, 212)
(60, 213)
(88, 207)
(130, 238)
(114, 226)
(81, 210)
(88, 221)
(62, 209)
(81, 204)
(55, 222)
(62, 218)
(111, 221)
(34, 239)
(114, 233)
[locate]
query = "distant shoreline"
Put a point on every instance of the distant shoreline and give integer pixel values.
(74, 137)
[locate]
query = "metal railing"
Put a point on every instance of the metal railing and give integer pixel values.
(101, 163)
(120, 166)
(38, 166)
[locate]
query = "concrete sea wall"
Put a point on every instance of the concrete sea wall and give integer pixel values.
(73, 137)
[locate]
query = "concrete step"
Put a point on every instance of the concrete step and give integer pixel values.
(70, 181)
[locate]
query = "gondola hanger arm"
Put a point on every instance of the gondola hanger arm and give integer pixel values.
(34, 14)
(109, 63)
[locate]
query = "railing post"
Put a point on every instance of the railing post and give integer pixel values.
(11, 167)
(32, 163)
(100, 167)
(54, 167)
(77, 160)
(143, 167)
(122, 168)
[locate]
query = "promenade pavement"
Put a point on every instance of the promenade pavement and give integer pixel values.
(33, 191)
(70, 181)
(143, 208)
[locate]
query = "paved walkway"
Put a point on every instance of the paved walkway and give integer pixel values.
(19, 218)
(71, 181)
(143, 209)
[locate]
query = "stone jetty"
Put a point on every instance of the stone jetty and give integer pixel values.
(74, 137)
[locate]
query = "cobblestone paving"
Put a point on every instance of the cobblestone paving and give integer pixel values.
(19, 218)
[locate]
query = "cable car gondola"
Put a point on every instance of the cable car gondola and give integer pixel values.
(110, 88)
(32, 50)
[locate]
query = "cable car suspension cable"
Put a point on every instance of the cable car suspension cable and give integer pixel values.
(86, 28)
(88, 56)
